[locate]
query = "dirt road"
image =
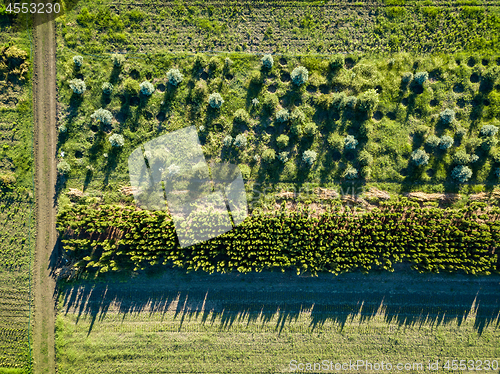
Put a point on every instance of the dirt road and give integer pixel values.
(44, 88)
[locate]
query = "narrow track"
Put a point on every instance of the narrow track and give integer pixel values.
(44, 97)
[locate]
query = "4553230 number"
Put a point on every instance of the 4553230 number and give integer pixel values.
(471, 365)
(37, 8)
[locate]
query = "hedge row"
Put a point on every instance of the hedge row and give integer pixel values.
(431, 239)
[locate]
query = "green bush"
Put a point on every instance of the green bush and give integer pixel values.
(406, 78)
(78, 86)
(116, 140)
(118, 60)
(240, 141)
(365, 158)
(147, 88)
(200, 61)
(310, 129)
(282, 116)
(282, 141)
(351, 102)
(309, 157)
(102, 115)
(489, 142)
(131, 86)
(489, 130)
(215, 100)
(460, 132)
(267, 61)
(461, 173)
(491, 75)
(241, 116)
(63, 167)
(350, 142)
(337, 62)
(245, 171)
(350, 173)
(107, 88)
(447, 116)
(8, 179)
(339, 100)
(421, 131)
(78, 61)
(283, 157)
(269, 155)
(368, 100)
(200, 92)
(299, 75)
(432, 141)
(270, 103)
(445, 142)
(461, 157)
(214, 65)
(366, 172)
(421, 77)
(174, 77)
(336, 142)
(419, 157)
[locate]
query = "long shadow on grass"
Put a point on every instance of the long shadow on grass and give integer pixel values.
(404, 297)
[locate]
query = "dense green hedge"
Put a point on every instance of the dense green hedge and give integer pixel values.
(431, 239)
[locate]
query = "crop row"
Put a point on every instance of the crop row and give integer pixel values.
(431, 239)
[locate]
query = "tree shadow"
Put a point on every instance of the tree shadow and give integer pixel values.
(405, 297)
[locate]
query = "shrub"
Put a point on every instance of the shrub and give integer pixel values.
(488, 143)
(227, 141)
(406, 78)
(432, 141)
(491, 74)
(299, 75)
(283, 157)
(421, 77)
(240, 141)
(368, 100)
(310, 129)
(267, 61)
(63, 167)
(461, 157)
(489, 130)
(241, 116)
(336, 142)
(200, 61)
(282, 115)
(116, 140)
(118, 60)
(78, 86)
(131, 86)
(228, 63)
(174, 77)
(461, 173)
(8, 179)
(460, 132)
(269, 155)
(282, 141)
(107, 88)
(102, 115)
(256, 78)
(366, 172)
(447, 116)
(215, 100)
(309, 157)
(445, 142)
(350, 142)
(350, 173)
(297, 116)
(214, 65)
(350, 102)
(147, 88)
(337, 62)
(339, 100)
(420, 157)
(365, 158)
(78, 61)
(421, 131)
(270, 103)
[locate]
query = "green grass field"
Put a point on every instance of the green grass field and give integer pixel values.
(178, 323)
(16, 199)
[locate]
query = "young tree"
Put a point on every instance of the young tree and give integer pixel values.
(215, 100)
(78, 86)
(116, 140)
(102, 115)
(147, 88)
(267, 61)
(78, 61)
(299, 75)
(174, 77)
(309, 157)
(419, 157)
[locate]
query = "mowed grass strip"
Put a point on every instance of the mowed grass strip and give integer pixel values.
(195, 323)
